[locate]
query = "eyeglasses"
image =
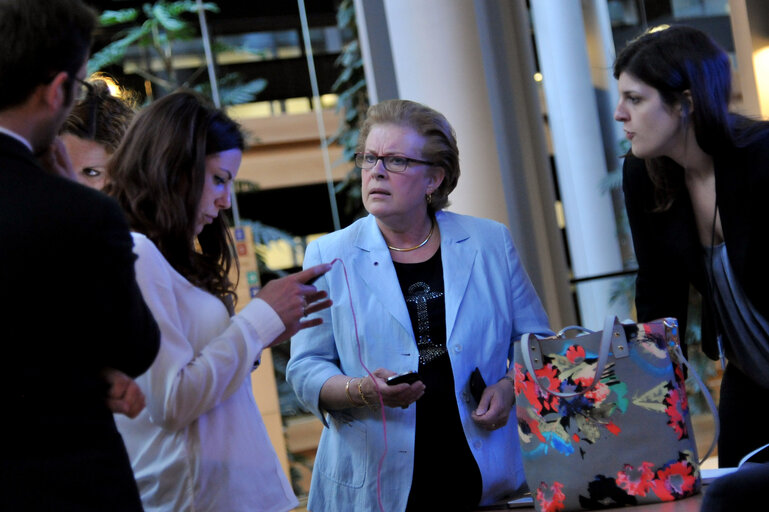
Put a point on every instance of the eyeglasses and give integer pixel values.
(84, 90)
(392, 163)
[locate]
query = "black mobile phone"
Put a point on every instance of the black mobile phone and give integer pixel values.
(408, 378)
(477, 384)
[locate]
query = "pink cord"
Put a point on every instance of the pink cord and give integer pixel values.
(376, 386)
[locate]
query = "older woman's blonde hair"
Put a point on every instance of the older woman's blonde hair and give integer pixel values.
(440, 140)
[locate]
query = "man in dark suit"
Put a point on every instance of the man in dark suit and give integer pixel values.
(72, 317)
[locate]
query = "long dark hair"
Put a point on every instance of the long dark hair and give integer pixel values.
(157, 175)
(675, 60)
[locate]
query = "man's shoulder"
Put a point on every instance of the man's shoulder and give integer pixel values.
(58, 191)
(52, 203)
(14, 156)
(90, 207)
(12, 144)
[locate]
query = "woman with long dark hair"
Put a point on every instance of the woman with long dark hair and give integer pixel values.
(695, 183)
(200, 444)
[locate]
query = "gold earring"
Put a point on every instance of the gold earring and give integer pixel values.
(429, 198)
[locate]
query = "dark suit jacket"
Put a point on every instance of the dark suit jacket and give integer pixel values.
(70, 307)
(668, 249)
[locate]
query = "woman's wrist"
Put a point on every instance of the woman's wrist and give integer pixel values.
(363, 395)
(509, 379)
(349, 396)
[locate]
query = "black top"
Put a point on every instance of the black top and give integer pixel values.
(446, 475)
(748, 343)
(667, 246)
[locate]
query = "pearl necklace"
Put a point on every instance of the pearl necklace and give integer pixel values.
(424, 242)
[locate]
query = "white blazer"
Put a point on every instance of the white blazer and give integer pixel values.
(490, 303)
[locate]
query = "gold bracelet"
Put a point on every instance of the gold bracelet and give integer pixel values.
(347, 392)
(362, 396)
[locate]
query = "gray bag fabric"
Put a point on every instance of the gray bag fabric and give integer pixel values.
(604, 419)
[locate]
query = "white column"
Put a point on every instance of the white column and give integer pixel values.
(750, 29)
(601, 55)
(374, 40)
(579, 153)
(522, 151)
(473, 61)
(438, 62)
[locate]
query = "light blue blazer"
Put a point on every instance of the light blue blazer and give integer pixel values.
(490, 303)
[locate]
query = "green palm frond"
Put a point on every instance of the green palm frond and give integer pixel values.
(109, 18)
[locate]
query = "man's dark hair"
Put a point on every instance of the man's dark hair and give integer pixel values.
(39, 39)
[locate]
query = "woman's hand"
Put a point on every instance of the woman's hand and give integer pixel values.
(293, 300)
(493, 411)
(124, 396)
(400, 395)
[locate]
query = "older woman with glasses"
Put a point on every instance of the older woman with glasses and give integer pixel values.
(418, 290)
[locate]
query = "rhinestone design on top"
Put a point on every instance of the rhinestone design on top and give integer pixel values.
(419, 294)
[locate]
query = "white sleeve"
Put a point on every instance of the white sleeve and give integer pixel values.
(182, 385)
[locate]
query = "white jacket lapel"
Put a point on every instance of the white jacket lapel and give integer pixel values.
(458, 256)
(373, 265)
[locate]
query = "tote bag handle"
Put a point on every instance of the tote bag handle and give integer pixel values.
(612, 337)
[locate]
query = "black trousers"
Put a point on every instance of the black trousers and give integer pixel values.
(740, 411)
(745, 489)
